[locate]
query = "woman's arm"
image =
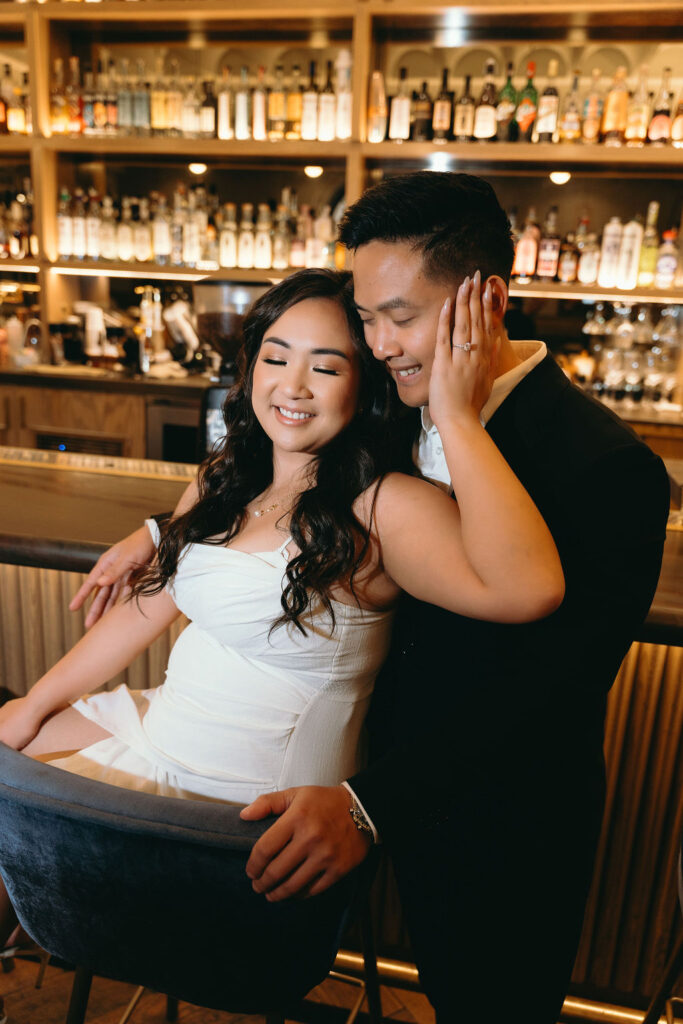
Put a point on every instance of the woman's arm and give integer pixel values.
(490, 556)
(111, 571)
(108, 648)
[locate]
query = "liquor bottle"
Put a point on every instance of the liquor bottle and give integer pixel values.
(589, 260)
(507, 129)
(344, 95)
(638, 113)
(442, 115)
(263, 242)
(242, 106)
(548, 108)
(108, 240)
(100, 100)
(158, 117)
(667, 260)
(3, 115)
(649, 248)
(174, 103)
(309, 106)
(245, 239)
(377, 111)
(677, 126)
(569, 128)
(177, 226)
(74, 98)
(112, 99)
(191, 115)
(327, 109)
(659, 131)
(161, 233)
(191, 232)
(259, 108)
(525, 115)
(629, 254)
(227, 240)
(26, 101)
(125, 103)
(277, 107)
(92, 228)
(88, 102)
(59, 114)
(526, 254)
(226, 102)
(463, 118)
(142, 234)
(485, 124)
(568, 264)
(281, 239)
(422, 115)
(124, 232)
(78, 226)
(609, 253)
(207, 112)
(294, 105)
(141, 102)
(399, 112)
(65, 233)
(16, 114)
(616, 110)
(549, 248)
(593, 106)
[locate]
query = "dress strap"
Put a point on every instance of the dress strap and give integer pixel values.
(283, 546)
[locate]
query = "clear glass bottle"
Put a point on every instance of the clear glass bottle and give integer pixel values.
(100, 99)
(609, 253)
(527, 106)
(549, 248)
(638, 114)
(629, 254)
(548, 108)
(158, 116)
(485, 124)
(377, 109)
(161, 233)
(399, 112)
(226, 106)
(667, 260)
(65, 234)
(343, 67)
(108, 231)
(649, 248)
(174, 102)
(78, 225)
(92, 228)
(112, 100)
(259, 107)
(245, 240)
(463, 118)
(141, 102)
(568, 264)
(191, 115)
(327, 109)
(659, 130)
(593, 106)
(15, 113)
(74, 98)
(309, 106)
(207, 112)
(526, 255)
(281, 239)
(615, 113)
(277, 107)
(89, 103)
(569, 127)
(177, 228)
(263, 240)
(59, 111)
(227, 240)
(142, 234)
(507, 129)
(191, 231)
(125, 101)
(124, 232)
(243, 106)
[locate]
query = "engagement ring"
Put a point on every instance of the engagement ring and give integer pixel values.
(466, 347)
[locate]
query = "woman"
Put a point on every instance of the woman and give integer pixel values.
(288, 556)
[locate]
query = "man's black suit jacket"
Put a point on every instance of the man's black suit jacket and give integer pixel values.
(466, 711)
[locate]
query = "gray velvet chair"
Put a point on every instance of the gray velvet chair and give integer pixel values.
(152, 890)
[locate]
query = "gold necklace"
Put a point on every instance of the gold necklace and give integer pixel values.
(258, 512)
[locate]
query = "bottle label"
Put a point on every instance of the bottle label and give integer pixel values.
(258, 124)
(309, 116)
(485, 122)
(570, 128)
(161, 234)
(207, 120)
(614, 121)
(224, 119)
(441, 119)
(566, 271)
(464, 120)
(527, 251)
(548, 254)
(660, 128)
(526, 114)
(677, 129)
(327, 114)
(588, 266)
(546, 121)
(344, 106)
(636, 123)
(505, 111)
(399, 120)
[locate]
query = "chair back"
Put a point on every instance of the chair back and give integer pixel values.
(152, 890)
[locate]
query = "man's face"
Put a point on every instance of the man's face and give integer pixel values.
(399, 306)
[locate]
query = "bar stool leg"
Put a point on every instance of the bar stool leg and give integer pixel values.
(171, 1009)
(80, 991)
(672, 972)
(372, 987)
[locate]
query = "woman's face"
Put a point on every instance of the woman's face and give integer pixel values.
(306, 377)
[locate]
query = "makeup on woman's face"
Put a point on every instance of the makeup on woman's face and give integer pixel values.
(306, 377)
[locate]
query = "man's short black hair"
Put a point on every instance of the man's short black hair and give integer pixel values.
(454, 220)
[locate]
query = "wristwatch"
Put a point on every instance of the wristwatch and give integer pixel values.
(360, 820)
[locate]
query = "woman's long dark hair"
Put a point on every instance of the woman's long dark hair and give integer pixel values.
(332, 541)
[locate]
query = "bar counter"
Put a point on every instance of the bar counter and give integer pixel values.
(59, 511)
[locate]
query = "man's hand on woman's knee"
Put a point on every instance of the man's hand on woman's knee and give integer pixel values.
(313, 843)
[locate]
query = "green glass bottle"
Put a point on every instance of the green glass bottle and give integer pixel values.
(506, 125)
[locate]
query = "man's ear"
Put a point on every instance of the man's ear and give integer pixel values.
(500, 295)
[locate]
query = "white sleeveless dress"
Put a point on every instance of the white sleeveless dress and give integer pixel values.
(242, 711)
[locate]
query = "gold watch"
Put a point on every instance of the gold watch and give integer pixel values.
(360, 819)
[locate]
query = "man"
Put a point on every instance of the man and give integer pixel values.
(486, 781)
